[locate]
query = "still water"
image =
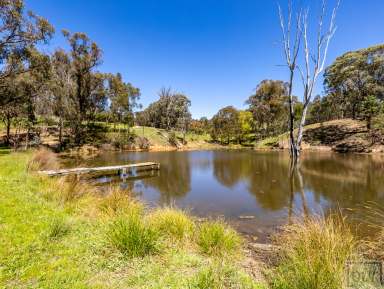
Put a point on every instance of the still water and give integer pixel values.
(252, 190)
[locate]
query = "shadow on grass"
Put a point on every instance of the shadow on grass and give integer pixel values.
(4, 150)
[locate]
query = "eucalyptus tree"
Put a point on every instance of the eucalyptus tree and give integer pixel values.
(62, 88)
(353, 77)
(226, 124)
(84, 56)
(313, 58)
(181, 112)
(123, 99)
(200, 126)
(11, 108)
(246, 124)
(19, 30)
(165, 104)
(371, 107)
(21, 91)
(170, 111)
(322, 109)
(98, 95)
(269, 106)
(35, 82)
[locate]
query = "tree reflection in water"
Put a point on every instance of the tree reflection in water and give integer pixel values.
(175, 177)
(260, 183)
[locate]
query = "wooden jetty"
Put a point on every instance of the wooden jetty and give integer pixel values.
(122, 169)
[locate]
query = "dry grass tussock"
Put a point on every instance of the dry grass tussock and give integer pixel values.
(118, 202)
(64, 189)
(71, 188)
(373, 247)
(43, 159)
(314, 254)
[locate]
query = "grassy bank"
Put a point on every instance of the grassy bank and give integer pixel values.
(118, 136)
(57, 234)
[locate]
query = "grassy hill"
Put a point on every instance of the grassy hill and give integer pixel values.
(160, 137)
(119, 136)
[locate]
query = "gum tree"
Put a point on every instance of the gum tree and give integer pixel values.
(19, 31)
(85, 56)
(310, 64)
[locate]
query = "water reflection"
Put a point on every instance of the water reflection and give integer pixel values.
(175, 177)
(235, 183)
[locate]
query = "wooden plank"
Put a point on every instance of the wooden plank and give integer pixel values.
(77, 171)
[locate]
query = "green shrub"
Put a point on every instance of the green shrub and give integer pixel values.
(314, 254)
(216, 238)
(132, 236)
(172, 139)
(58, 228)
(172, 223)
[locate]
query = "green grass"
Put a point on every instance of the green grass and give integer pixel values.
(132, 236)
(58, 228)
(216, 238)
(271, 141)
(172, 223)
(27, 257)
(160, 136)
(220, 275)
(46, 242)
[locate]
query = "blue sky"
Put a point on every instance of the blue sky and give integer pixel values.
(214, 51)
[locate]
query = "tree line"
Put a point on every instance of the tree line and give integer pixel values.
(353, 86)
(66, 88)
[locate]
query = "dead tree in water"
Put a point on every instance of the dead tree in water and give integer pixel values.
(314, 63)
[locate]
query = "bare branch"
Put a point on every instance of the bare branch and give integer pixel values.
(301, 75)
(285, 39)
(314, 63)
(298, 37)
(306, 50)
(331, 32)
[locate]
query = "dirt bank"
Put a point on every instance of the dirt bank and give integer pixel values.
(345, 135)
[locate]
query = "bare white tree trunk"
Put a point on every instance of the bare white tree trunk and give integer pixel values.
(314, 63)
(291, 54)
